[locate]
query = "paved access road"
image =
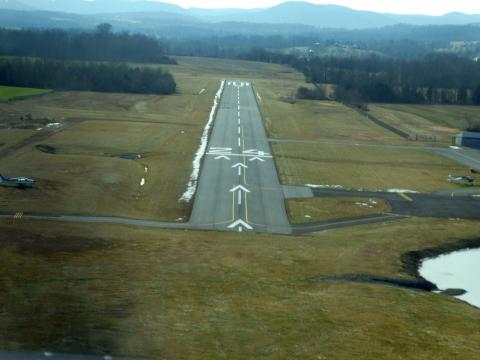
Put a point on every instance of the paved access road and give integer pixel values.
(238, 187)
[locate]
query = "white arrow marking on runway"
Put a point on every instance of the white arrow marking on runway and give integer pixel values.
(256, 158)
(240, 164)
(239, 187)
(222, 157)
(240, 223)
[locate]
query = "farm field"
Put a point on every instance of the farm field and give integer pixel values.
(126, 291)
(12, 92)
(358, 167)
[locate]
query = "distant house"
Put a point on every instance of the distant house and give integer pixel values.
(467, 138)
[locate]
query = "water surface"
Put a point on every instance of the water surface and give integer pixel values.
(457, 270)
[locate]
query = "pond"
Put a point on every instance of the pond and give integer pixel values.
(456, 270)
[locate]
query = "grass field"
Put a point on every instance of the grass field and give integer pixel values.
(288, 118)
(436, 119)
(420, 122)
(360, 167)
(303, 211)
(11, 92)
(12, 136)
(86, 174)
(171, 294)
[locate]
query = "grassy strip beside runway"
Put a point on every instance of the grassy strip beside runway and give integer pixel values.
(367, 168)
(303, 211)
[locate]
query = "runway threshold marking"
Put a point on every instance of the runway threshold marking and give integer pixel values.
(405, 197)
(18, 215)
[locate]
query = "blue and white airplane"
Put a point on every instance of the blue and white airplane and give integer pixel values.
(19, 182)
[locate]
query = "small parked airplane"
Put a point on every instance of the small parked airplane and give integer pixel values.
(462, 180)
(21, 182)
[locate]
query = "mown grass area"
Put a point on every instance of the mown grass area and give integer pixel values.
(12, 92)
(423, 124)
(174, 294)
(302, 211)
(289, 118)
(442, 118)
(358, 167)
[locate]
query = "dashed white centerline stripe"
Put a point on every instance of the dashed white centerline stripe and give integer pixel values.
(239, 144)
(239, 201)
(239, 171)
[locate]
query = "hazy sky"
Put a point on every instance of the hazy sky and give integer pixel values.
(431, 7)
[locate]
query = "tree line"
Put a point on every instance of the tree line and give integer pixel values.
(432, 79)
(85, 76)
(99, 45)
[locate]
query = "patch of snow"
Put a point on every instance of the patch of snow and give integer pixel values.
(146, 169)
(142, 182)
(193, 181)
(259, 97)
(201, 92)
(183, 132)
(401, 191)
(324, 186)
(179, 219)
(38, 129)
(53, 125)
(308, 216)
(455, 147)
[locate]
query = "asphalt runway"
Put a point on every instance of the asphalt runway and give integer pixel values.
(238, 188)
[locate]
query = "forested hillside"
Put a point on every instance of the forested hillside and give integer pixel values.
(99, 45)
(67, 75)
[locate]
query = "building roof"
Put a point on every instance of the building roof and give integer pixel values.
(470, 134)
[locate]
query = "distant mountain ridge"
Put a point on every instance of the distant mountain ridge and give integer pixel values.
(292, 12)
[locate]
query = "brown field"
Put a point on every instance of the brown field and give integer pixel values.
(174, 294)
